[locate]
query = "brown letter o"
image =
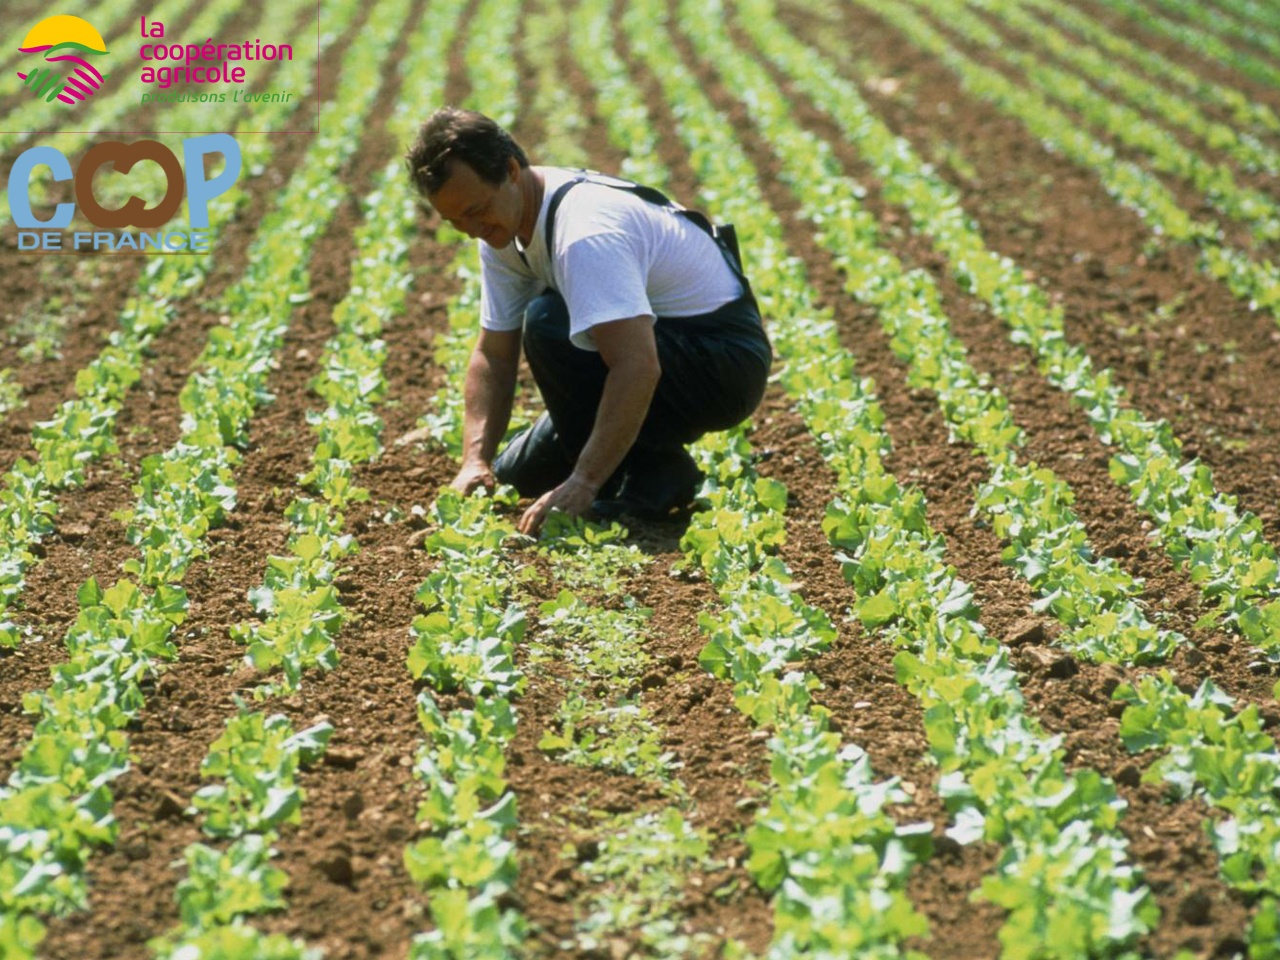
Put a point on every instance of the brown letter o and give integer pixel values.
(123, 156)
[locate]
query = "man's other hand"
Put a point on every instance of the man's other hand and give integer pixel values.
(473, 475)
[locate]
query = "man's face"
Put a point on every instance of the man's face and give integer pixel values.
(478, 208)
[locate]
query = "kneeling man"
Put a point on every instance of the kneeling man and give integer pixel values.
(638, 324)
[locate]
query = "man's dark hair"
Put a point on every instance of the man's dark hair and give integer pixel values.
(454, 134)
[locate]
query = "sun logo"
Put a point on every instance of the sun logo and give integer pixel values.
(68, 42)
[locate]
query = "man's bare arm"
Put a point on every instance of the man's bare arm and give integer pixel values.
(628, 349)
(488, 394)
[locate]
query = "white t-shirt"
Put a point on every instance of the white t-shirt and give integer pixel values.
(616, 256)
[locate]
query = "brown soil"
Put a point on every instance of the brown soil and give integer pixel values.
(1205, 368)
(1234, 232)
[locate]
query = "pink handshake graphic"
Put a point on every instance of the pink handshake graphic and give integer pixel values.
(68, 42)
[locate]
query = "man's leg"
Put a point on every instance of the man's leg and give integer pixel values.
(714, 372)
(711, 380)
(535, 460)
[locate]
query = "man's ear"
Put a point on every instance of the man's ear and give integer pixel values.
(513, 169)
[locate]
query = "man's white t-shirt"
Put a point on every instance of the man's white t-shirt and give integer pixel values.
(616, 256)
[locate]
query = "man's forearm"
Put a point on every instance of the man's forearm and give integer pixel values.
(488, 397)
(624, 404)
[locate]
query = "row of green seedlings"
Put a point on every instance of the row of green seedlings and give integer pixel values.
(1253, 208)
(1252, 10)
(824, 844)
(835, 859)
(1244, 110)
(1200, 40)
(1064, 875)
(623, 111)
(10, 392)
(40, 326)
(150, 179)
(1222, 548)
(105, 108)
(552, 98)
(1225, 756)
(259, 755)
(464, 644)
(620, 735)
(1218, 753)
(1140, 90)
(1028, 506)
(256, 762)
(57, 804)
(1256, 282)
(82, 430)
(641, 860)
(1211, 18)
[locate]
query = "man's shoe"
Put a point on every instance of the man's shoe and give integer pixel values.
(658, 485)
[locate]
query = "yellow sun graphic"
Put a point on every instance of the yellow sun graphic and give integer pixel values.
(64, 28)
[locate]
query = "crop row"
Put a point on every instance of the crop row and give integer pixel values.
(1028, 506)
(1064, 874)
(1138, 89)
(302, 611)
(1203, 41)
(1244, 110)
(464, 644)
(1225, 756)
(1212, 20)
(823, 842)
(258, 755)
(464, 647)
(641, 857)
(641, 860)
(1251, 10)
(255, 762)
(1256, 282)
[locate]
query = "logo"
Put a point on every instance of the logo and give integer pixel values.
(68, 43)
(186, 177)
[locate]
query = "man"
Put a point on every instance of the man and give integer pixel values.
(638, 325)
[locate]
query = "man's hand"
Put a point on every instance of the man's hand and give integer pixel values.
(472, 475)
(573, 497)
